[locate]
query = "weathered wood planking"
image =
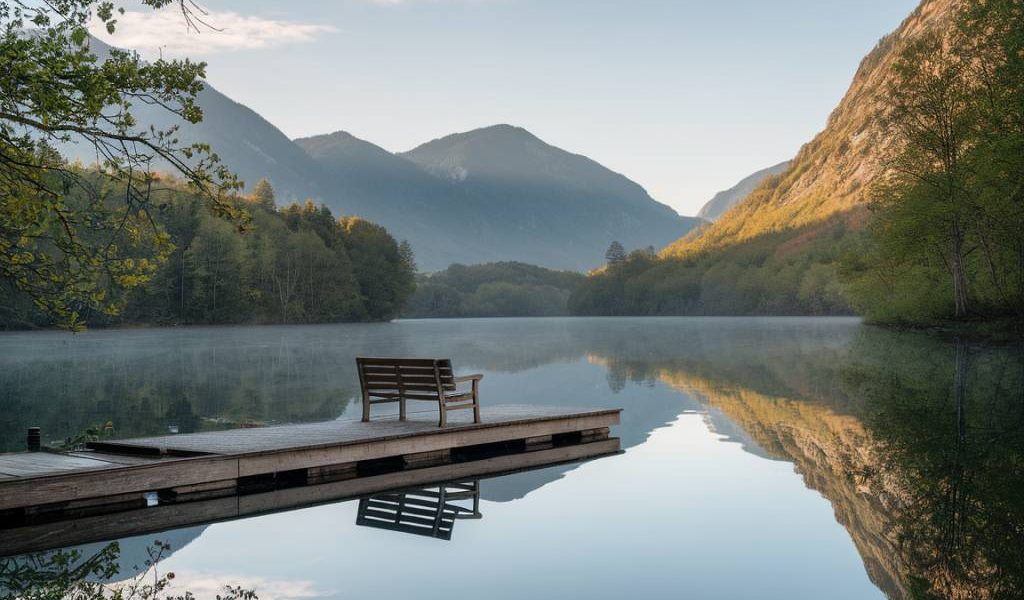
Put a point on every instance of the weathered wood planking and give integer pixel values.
(36, 463)
(155, 519)
(117, 479)
(333, 433)
(165, 462)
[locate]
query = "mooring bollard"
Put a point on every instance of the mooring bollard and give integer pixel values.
(34, 440)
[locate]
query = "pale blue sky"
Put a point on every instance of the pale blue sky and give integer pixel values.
(685, 97)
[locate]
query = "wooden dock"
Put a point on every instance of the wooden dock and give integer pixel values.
(126, 487)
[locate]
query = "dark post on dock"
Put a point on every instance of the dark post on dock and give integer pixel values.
(34, 439)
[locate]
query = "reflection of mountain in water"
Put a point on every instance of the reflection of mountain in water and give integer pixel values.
(135, 551)
(912, 440)
(133, 557)
(719, 422)
(833, 454)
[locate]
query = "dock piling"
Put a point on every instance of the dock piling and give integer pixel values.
(34, 439)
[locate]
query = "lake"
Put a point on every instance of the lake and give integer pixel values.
(768, 458)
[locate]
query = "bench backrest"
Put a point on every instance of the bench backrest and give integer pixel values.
(411, 378)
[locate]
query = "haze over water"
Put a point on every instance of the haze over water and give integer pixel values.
(769, 458)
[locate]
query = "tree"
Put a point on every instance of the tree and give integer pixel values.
(407, 255)
(385, 279)
(615, 255)
(263, 194)
(928, 195)
(64, 231)
(216, 260)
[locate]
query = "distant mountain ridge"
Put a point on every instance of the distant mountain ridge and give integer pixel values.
(493, 194)
(726, 199)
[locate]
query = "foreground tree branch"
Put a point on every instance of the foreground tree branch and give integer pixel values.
(67, 232)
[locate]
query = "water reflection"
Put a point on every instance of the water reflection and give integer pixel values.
(428, 511)
(917, 444)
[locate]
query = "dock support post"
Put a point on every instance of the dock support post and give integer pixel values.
(427, 459)
(593, 435)
(34, 439)
(540, 442)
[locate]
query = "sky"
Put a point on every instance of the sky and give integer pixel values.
(685, 97)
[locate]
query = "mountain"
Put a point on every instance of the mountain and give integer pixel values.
(778, 251)
(726, 199)
(249, 144)
(567, 207)
(361, 178)
(829, 176)
(492, 194)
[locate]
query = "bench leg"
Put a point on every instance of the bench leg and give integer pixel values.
(401, 409)
(476, 401)
(443, 419)
(366, 408)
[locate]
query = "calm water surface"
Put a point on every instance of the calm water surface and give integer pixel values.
(765, 458)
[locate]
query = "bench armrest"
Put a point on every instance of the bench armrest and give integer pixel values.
(465, 378)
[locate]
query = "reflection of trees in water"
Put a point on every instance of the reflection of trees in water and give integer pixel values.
(951, 426)
(207, 380)
(918, 443)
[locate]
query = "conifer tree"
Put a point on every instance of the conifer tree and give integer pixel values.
(616, 254)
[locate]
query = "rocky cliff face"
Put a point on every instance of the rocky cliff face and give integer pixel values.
(830, 174)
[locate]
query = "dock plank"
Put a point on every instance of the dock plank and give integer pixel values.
(29, 464)
(333, 433)
(118, 459)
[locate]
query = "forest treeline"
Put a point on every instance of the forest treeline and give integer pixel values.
(502, 289)
(792, 272)
(296, 264)
(939, 240)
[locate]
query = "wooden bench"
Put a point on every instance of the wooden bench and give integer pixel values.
(385, 380)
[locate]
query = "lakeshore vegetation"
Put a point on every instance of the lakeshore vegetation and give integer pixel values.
(296, 264)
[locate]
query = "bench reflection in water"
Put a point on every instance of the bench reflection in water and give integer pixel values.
(428, 511)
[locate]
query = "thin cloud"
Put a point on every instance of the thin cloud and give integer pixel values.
(207, 586)
(165, 32)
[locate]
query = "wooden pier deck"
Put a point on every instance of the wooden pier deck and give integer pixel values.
(243, 465)
(136, 519)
